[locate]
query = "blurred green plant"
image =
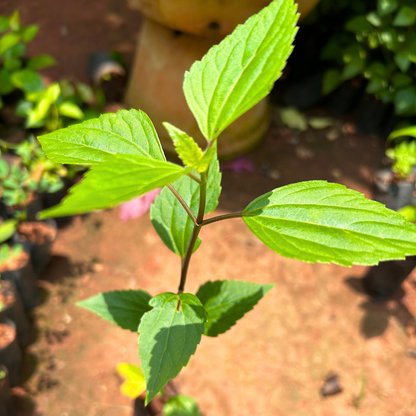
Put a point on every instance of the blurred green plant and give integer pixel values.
(8, 253)
(51, 108)
(404, 153)
(379, 45)
(32, 172)
(17, 72)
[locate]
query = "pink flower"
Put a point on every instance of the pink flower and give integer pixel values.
(239, 165)
(138, 206)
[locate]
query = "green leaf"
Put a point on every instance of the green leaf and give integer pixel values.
(169, 335)
(135, 383)
(38, 113)
(7, 229)
(69, 109)
(401, 80)
(402, 60)
(238, 73)
(27, 80)
(331, 81)
(85, 92)
(352, 69)
(181, 405)
(29, 33)
(88, 143)
(358, 24)
(124, 308)
(375, 85)
(385, 7)
(12, 64)
(293, 118)
(185, 146)
(405, 101)
(326, 222)
(374, 19)
(118, 179)
(228, 301)
(7, 41)
(6, 85)
(40, 62)
(409, 212)
(406, 131)
(14, 21)
(320, 123)
(23, 108)
(169, 218)
(405, 17)
(4, 23)
(15, 51)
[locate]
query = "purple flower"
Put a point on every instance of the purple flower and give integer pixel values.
(239, 165)
(138, 206)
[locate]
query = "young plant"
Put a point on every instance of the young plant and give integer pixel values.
(311, 221)
(15, 71)
(33, 173)
(404, 153)
(8, 253)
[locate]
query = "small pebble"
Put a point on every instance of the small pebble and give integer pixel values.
(336, 173)
(331, 386)
(332, 135)
(411, 353)
(97, 267)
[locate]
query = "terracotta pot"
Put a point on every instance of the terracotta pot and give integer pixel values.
(155, 87)
(214, 18)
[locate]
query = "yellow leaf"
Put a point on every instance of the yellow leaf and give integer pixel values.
(135, 383)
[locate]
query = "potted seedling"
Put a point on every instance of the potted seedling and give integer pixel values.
(396, 189)
(16, 267)
(22, 185)
(6, 402)
(11, 306)
(313, 221)
(10, 353)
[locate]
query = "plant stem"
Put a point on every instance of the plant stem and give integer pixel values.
(222, 217)
(183, 203)
(195, 232)
(194, 177)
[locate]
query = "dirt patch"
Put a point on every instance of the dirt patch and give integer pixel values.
(7, 335)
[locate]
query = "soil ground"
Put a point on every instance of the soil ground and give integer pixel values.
(315, 322)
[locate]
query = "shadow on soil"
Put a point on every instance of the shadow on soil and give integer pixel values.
(378, 314)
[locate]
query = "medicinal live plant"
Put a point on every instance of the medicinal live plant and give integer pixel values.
(312, 221)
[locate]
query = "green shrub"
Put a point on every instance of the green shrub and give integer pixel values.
(378, 44)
